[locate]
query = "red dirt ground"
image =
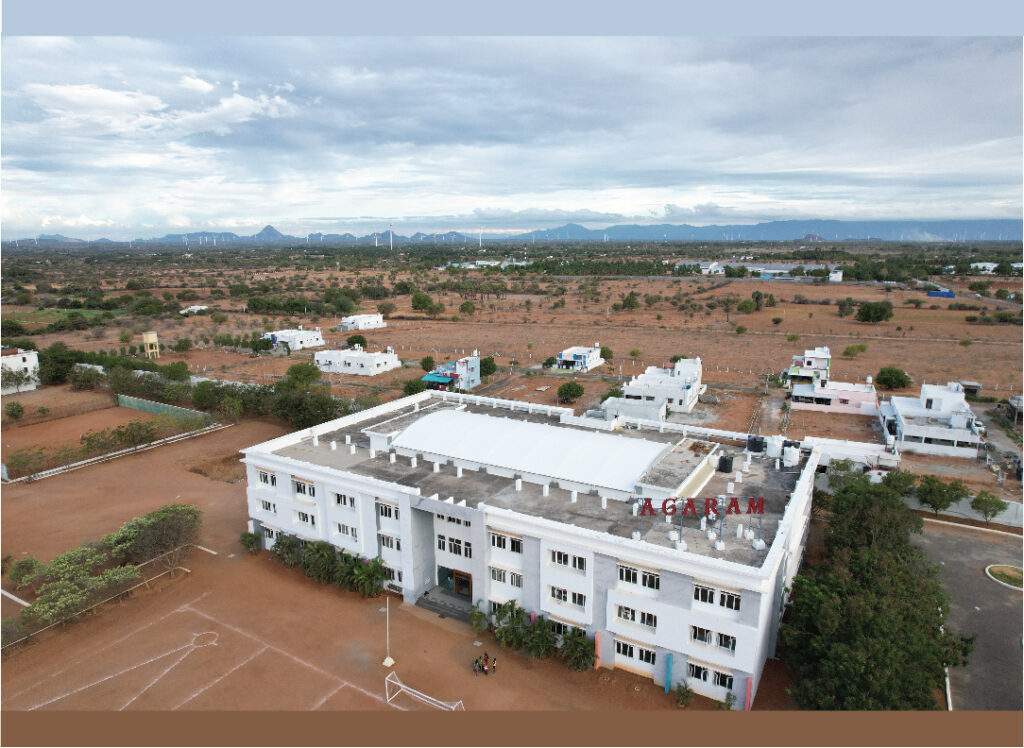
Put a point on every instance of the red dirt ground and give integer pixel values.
(61, 400)
(64, 430)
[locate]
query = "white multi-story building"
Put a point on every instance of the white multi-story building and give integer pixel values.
(939, 421)
(580, 358)
(362, 322)
(810, 368)
(296, 340)
(357, 361)
(498, 500)
(678, 385)
(463, 374)
(24, 363)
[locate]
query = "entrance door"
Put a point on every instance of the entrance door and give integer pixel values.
(463, 584)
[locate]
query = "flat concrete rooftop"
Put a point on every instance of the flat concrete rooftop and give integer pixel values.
(617, 518)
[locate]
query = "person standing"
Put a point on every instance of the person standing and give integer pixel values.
(494, 665)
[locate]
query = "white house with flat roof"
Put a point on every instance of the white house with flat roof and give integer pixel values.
(580, 358)
(194, 309)
(355, 360)
(984, 268)
(939, 421)
(677, 385)
(485, 501)
(836, 397)
(462, 374)
(22, 364)
(810, 368)
(296, 340)
(362, 322)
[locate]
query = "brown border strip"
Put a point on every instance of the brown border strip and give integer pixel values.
(512, 728)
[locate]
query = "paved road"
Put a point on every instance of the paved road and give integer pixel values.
(993, 677)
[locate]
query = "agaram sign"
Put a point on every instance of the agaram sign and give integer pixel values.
(689, 506)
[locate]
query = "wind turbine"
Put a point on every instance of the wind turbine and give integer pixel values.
(391, 235)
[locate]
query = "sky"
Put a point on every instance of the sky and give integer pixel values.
(123, 137)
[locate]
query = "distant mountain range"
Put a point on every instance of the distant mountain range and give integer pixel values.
(810, 231)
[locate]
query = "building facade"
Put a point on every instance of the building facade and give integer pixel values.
(296, 340)
(463, 374)
(498, 500)
(811, 368)
(580, 358)
(836, 397)
(357, 361)
(678, 385)
(362, 322)
(939, 422)
(23, 363)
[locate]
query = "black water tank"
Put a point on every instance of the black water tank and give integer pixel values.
(755, 443)
(725, 463)
(790, 443)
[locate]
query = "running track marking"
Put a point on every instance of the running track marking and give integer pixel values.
(217, 680)
(192, 647)
(205, 549)
(290, 656)
(108, 646)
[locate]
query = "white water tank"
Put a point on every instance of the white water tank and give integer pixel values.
(774, 446)
(790, 456)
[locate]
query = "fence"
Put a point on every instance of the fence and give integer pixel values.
(151, 406)
(117, 596)
(33, 416)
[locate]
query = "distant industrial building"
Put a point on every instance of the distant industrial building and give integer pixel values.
(362, 322)
(355, 360)
(463, 374)
(488, 501)
(296, 340)
(580, 358)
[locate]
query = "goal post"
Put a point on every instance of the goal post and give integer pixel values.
(393, 686)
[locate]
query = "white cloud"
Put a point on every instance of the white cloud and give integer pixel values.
(81, 221)
(196, 84)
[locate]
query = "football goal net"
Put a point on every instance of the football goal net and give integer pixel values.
(393, 687)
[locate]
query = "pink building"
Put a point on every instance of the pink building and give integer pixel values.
(836, 397)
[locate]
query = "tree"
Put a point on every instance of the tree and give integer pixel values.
(427, 363)
(892, 378)
(387, 308)
(477, 618)
(421, 301)
(353, 340)
(988, 505)
(606, 353)
(319, 561)
(541, 639)
(251, 541)
(938, 495)
(14, 411)
(168, 533)
(182, 345)
(846, 307)
(302, 376)
(728, 303)
(16, 378)
(487, 366)
(305, 409)
(631, 301)
(577, 650)
(901, 482)
(467, 307)
(777, 320)
(758, 299)
(851, 351)
(287, 549)
(740, 329)
(841, 473)
(369, 577)
(874, 311)
(746, 306)
(570, 392)
(413, 386)
(635, 353)
(511, 623)
(125, 338)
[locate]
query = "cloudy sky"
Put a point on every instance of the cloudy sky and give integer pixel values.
(136, 137)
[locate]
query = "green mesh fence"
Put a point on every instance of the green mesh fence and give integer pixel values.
(150, 406)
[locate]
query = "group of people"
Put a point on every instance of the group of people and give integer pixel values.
(485, 664)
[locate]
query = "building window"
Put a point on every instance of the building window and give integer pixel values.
(626, 613)
(516, 580)
(560, 594)
(440, 542)
(269, 507)
(455, 520)
(579, 563)
(559, 628)
(723, 679)
(701, 635)
(467, 549)
(697, 671)
(268, 478)
(651, 580)
(729, 600)
(560, 558)
(465, 523)
(649, 619)
(623, 648)
(703, 594)
(387, 541)
(494, 607)
(306, 519)
(497, 575)
(393, 574)
(342, 500)
(304, 489)
(628, 574)
(727, 642)
(455, 546)
(498, 540)
(515, 545)
(387, 510)
(646, 655)
(268, 533)
(579, 599)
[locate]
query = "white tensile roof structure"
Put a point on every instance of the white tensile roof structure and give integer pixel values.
(594, 458)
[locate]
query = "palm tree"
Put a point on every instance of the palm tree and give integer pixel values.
(319, 560)
(577, 650)
(512, 632)
(345, 574)
(369, 577)
(541, 639)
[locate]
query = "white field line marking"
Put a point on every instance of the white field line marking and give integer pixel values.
(331, 693)
(192, 648)
(217, 680)
(108, 646)
(188, 646)
(9, 596)
(205, 549)
(292, 657)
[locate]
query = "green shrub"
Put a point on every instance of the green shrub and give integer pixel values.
(251, 541)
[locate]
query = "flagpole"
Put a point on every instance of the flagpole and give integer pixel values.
(388, 662)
